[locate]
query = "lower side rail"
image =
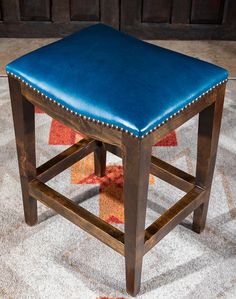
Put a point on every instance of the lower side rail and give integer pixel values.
(172, 217)
(92, 224)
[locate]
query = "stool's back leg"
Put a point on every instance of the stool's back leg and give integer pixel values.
(136, 163)
(208, 136)
(100, 160)
(24, 125)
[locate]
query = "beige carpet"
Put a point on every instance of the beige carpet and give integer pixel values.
(55, 259)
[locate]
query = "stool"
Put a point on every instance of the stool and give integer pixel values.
(124, 95)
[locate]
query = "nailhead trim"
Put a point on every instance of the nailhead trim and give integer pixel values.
(111, 125)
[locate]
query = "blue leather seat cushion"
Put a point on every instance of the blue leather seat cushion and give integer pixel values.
(114, 78)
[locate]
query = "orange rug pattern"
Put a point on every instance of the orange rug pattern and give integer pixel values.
(111, 207)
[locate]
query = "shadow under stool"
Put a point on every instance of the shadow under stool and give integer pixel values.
(124, 95)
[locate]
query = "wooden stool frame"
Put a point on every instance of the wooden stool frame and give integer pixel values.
(137, 163)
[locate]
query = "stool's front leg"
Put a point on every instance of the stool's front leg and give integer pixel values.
(136, 163)
(208, 137)
(24, 125)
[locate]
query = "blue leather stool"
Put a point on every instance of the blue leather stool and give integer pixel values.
(124, 95)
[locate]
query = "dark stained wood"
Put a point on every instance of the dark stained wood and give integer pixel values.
(10, 11)
(181, 11)
(208, 137)
(173, 216)
(136, 163)
(156, 11)
(98, 228)
(172, 175)
(35, 10)
(0, 11)
(148, 19)
(113, 149)
(207, 11)
(176, 28)
(100, 159)
(88, 10)
(61, 11)
(186, 114)
(65, 159)
(41, 28)
(229, 16)
(110, 12)
(24, 125)
(164, 171)
(88, 128)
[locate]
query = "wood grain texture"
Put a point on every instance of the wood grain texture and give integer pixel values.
(110, 13)
(39, 10)
(178, 25)
(88, 128)
(65, 159)
(156, 11)
(181, 10)
(88, 10)
(10, 11)
(98, 228)
(207, 11)
(24, 126)
(147, 19)
(208, 138)
(173, 216)
(100, 159)
(61, 11)
(161, 169)
(136, 163)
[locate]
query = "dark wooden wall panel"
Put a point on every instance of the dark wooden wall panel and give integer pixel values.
(88, 10)
(156, 11)
(0, 10)
(110, 12)
(229, 17)
(148, 19)
(207, 11)
(36, 10)
(10, 10)
(193, 19)
(181, 11)
(61, 11)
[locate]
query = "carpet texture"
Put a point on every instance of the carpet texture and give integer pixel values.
(55, 259)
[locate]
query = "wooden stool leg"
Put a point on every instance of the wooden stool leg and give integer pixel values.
(136, 162)
(24, 125)
(100, 160)
(208, 136)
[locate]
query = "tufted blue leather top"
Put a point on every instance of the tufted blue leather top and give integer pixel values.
(116, 79)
